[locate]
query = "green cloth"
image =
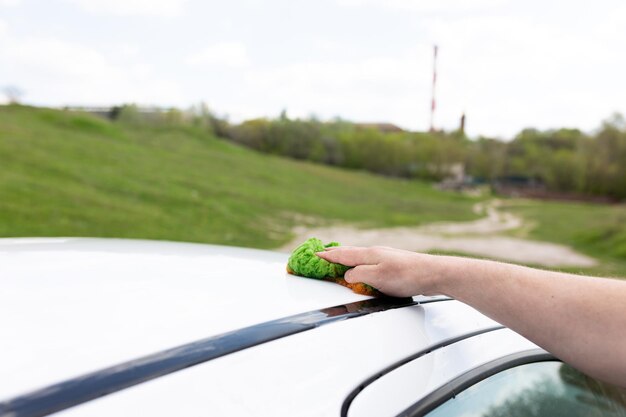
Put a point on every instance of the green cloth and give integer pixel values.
(304, 262)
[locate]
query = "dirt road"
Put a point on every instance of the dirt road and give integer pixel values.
(481, 237)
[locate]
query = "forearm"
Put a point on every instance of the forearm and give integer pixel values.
(581, 320)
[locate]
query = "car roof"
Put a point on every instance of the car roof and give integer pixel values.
(105, 301)
(75, 306)
(310, 373)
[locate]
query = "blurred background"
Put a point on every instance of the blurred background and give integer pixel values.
(489, 128)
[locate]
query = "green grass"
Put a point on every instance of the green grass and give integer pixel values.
(69, 174)
(594, 229)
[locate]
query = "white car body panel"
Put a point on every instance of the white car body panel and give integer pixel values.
(307, 374)
(70, 306)
(402, 387)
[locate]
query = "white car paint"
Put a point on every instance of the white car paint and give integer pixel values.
(399, 389)
(70, 306)
(307, 374)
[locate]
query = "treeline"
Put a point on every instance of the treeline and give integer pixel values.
(564, 160)
(344, 144)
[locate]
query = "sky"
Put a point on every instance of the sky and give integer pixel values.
(507, 64)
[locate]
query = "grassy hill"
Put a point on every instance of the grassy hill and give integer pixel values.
(71, 174)
(598, 230)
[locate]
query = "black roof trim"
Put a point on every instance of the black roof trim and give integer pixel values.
(96, 384)
(350, 398)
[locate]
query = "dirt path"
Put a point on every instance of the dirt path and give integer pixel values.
(479, 237)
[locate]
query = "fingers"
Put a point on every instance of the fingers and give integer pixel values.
(368, 274)
(351, 255)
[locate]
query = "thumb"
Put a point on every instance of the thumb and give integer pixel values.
(368, 274)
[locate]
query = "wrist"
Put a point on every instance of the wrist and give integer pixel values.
(444, 274)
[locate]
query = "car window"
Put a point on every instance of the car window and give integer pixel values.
(538, 389)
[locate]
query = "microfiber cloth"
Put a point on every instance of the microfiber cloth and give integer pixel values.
(305, 263)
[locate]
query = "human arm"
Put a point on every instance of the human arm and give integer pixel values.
(579, 319)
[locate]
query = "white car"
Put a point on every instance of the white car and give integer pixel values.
(109, 327)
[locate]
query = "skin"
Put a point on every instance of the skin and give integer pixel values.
(579, 319)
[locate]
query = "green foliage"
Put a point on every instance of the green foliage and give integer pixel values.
(606, 166)
(132, 115)
(70, 174)
(407, 155)
(486, 159)
(564, 160)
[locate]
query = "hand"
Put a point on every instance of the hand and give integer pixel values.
(395, 272)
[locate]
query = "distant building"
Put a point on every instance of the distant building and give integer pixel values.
(382, 127)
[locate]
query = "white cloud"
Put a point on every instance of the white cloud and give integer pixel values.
(10, 3)
(58, 57)
(505, 72)
(384, 88)
(425, 6)
(166, 8)
(53, 71)
(332, 76)
(227, 54)
(512, 72)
